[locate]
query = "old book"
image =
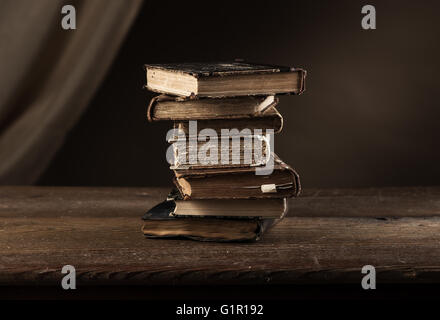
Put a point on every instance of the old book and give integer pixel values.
(165, 107)
(159, 222)
(230, 152)
(223, 79)
(238, 183)
(270, 119)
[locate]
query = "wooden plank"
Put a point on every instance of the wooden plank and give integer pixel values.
(98, 231)
(368, 202)
(82, 202)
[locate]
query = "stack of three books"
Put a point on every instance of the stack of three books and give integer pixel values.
(230, 185)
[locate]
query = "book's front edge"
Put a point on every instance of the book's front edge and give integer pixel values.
(281, 119)
(151, 107)
(295, 176)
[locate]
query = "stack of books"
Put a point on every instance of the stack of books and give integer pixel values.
(229, 183)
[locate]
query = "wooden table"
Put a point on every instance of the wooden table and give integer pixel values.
(327, 238)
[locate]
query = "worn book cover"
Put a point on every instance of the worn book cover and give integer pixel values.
(224, 79)
(238, 183)
(159, 222)
(164, 107)
(270, 119)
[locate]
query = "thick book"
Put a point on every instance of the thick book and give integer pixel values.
(238, 183)
(164, 107)
(227, 79)
(231, 152)
(159, 222)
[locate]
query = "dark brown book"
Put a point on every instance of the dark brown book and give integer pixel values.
(226, 79)
(165, 107)
(269, 119)
(159, 222)
(238, 183)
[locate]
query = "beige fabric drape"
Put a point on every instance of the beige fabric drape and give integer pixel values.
(48, 75)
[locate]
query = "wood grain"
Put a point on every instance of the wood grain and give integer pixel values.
(328, 237)
(368, 202)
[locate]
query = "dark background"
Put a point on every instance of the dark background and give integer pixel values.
(369, 117)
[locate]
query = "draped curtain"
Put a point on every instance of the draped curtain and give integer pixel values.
(48, 75)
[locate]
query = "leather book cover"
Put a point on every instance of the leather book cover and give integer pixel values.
(224, 79)
(238, 183)
(160, 223)
(270, 119)
(219, 69)
(193, 108)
